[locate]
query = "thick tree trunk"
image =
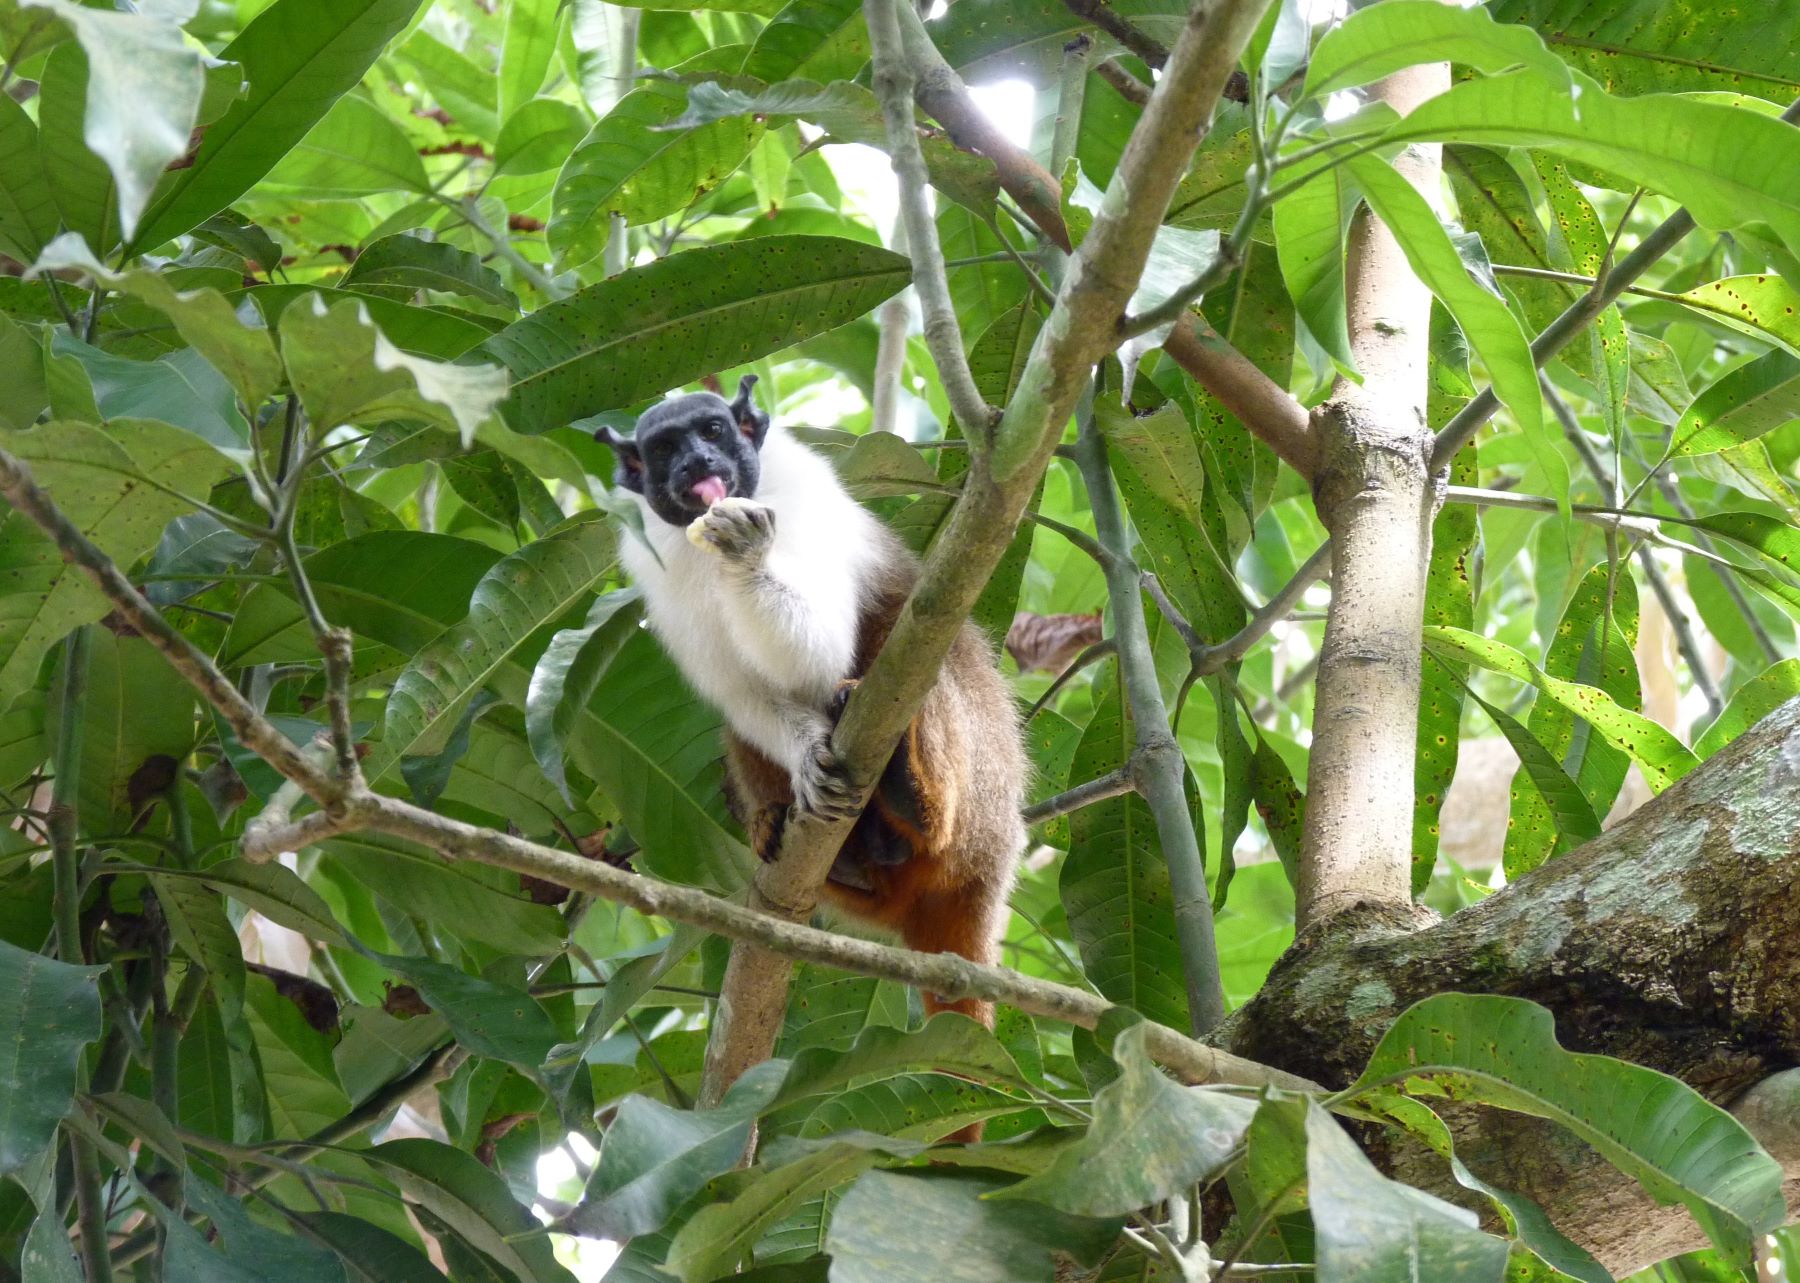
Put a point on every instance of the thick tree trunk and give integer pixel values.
(1672, 940)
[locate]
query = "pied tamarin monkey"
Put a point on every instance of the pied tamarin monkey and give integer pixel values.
(773, 590)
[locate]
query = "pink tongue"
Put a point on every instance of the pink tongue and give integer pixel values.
(709, 490)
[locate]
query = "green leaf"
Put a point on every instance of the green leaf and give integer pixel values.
(1558, 797)
(1491, 328)
(1641, 46)
(948, 1042)
(538, 137)
(181, 388)
(1150, 1139)
(1309, 225)
(656, 1158)
(1770, 536)
(1659, 755)
(724, 1232)
(423, 331)
(1593, 645)
(1764, 306)
(372, 1250)
(1115, 884)
(277, 893)
(475, 1202)
(526, 46)
(1731, 168)
(356, 150)
(402, 588)
(203, 317)
(1503, 1052)
(569, 670)
(652, 748)
(637, 163)
(427, 265)
(1369, 1229)
(467, 901)
(693, 313)
(917, 1225)
(49, 1011)
(1374, 42)
(137, 715)
(1162, 451)
(1750, 703)
(300, 57)
(345, 370)
(27, 203)
(1744, 403)
(23, 745)
(1025, 38)
(99, 481)
(535, 586)
(489, 1019)
(143, 96)
(810, 40)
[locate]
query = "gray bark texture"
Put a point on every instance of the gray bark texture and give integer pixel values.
(1672, 940)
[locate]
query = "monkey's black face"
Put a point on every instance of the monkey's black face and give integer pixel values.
(692, 451)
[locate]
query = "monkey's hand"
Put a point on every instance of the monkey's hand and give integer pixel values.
(821, 786)
(739, 530)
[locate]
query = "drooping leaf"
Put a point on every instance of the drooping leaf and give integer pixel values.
(454, 1187)
(1750, 703)
(1741, 405)
(693, 313)
(489, 1018)
(143, 96)
(937, 1225)
(427, 265)
(1115, 883)
(1373, 42)
(345, 370)
(1492, 330)
(526, 47)
(632, 166)
(27, 202)
(49, 1011)
(1555, 797)
(1150, 1139)
(1593, 646)
(1503, 1052)
(533, 587)
(1370, 1229)
(1309, 224)
(570, 668)
(299, 57)
(810, 40)
(1661, 757)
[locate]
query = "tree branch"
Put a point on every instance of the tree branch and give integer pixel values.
(1101, 14)
(893, 81)
(1158, 768)
(1113, 784)
(253, 730)
(1374, 495)
(980, 527)
(1212, 659)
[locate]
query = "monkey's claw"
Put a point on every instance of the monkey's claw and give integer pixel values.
(735, 528)
(822, 788)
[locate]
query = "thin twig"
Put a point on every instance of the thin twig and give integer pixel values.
(1099, 650)
(1112, 784)
(1278, 608)
(893, 82)
(1116, 74)
(1101, 14)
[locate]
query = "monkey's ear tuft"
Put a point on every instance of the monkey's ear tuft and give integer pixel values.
(752, 422)
(630, 472)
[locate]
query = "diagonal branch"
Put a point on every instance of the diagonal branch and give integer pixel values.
(1098, 285)
(354, 808)
(1101, 14)
(253, 730)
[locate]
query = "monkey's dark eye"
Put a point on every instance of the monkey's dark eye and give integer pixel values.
(710, 431)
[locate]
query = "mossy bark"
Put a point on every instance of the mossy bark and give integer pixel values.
(1672, 940)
